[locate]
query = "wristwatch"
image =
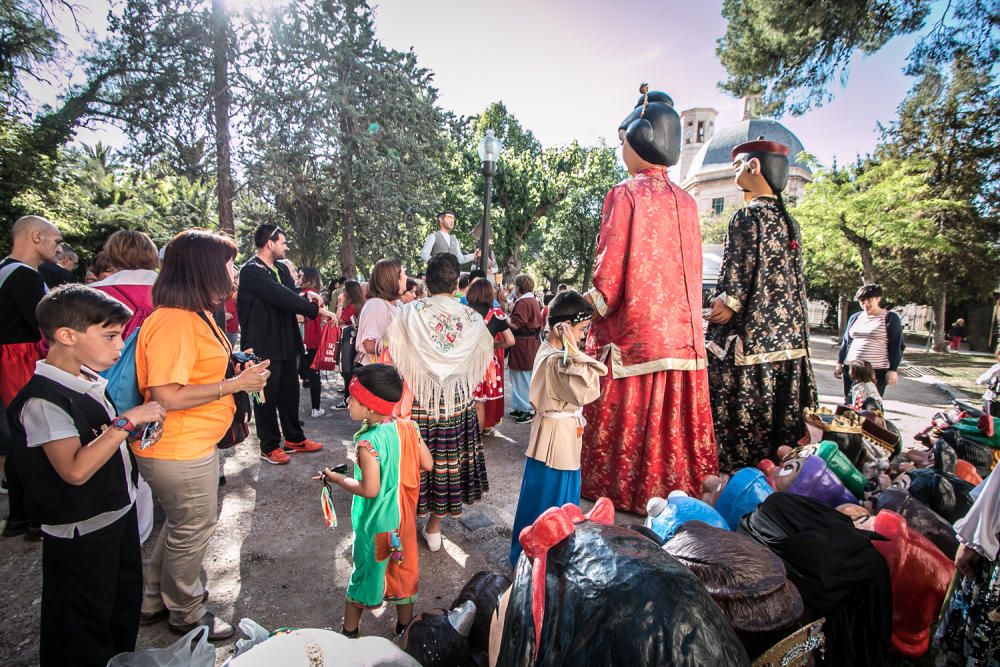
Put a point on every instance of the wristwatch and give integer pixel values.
(123, 424)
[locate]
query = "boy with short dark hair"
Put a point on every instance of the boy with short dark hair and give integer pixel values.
(71, 451)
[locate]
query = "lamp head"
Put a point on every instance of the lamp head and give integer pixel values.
(490, 147)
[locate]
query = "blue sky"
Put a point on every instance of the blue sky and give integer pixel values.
(570, 69)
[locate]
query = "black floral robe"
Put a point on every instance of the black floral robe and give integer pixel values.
(760, 377)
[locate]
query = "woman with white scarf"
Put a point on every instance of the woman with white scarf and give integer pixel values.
(443, 349)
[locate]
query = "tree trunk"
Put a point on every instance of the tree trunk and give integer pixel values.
(514, 261)
(348, 260)
(221, 100)
(864, 247)
(939, 344)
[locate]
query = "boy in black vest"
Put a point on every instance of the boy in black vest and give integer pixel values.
(71, 451)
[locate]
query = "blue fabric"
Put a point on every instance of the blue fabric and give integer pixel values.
(542, 487)
(520, 385)
(123, 384)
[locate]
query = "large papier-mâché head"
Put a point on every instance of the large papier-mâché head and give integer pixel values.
(653, 129)
(773, 159)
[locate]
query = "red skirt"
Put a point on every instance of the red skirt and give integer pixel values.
(490, 391)
(17, 365)
(646, 436)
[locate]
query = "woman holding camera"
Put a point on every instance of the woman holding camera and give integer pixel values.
(181, 362)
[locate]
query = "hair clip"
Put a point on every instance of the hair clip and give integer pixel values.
(644, 91)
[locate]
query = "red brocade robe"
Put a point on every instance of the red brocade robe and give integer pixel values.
(650, 432)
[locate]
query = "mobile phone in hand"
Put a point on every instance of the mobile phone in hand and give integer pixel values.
(340, 469)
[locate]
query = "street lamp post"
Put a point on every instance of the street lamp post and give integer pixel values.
(489, 152)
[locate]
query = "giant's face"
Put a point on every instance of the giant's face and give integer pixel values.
(788, 473)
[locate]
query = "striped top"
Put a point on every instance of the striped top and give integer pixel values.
(870, 342)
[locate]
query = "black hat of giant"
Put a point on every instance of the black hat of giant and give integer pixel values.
(773, 157)
(614, 597)
(653, 129)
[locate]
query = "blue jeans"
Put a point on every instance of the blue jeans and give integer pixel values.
(520, 384)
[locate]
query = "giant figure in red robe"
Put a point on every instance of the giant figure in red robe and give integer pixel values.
(651, 430)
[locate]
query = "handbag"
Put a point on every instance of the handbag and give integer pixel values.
(239, 430)
(348, 353)
(326, 352)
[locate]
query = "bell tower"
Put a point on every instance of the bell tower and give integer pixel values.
(697, 128)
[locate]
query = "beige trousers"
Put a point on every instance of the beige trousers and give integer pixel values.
(188, 491)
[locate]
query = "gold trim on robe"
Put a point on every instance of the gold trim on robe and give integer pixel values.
(766, 357)
(620, 370)
(599, 304)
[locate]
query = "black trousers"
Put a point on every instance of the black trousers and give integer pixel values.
(880, 382)
(91, 595)
(281, 402)
(307, 373)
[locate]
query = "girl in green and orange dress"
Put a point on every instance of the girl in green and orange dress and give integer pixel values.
(385, 485)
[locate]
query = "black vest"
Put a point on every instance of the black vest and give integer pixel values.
(55, 501)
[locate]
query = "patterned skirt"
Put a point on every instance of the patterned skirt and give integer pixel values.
(969, 633)
(646, 436)
(758, 408)
(459, 475)
(490, 391)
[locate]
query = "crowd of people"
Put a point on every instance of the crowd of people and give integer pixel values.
(128, 391)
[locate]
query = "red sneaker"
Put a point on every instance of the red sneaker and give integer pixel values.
(304, 446)
(276, 457)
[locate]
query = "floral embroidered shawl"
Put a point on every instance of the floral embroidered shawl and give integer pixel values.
(442, 349)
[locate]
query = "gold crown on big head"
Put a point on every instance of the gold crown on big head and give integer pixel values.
(825, 420)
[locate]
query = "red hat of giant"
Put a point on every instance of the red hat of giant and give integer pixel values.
(760, 146)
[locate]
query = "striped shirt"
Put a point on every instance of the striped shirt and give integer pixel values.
(870, 342)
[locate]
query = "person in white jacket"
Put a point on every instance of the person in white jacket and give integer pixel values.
(968, 632)
(991, 378)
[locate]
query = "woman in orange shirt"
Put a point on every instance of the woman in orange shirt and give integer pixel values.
(181, 363)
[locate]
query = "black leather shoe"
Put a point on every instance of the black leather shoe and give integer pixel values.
(218, 630)
(15, 528)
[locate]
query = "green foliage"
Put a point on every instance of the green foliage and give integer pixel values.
(568, 237)
(538, 195)
(791, 50)
(714, 227)
(346, 139)
(28, 42)
(92, 195)
(158, 57)
(875, 221)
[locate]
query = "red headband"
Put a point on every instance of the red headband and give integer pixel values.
(552, 527)
(361, 394)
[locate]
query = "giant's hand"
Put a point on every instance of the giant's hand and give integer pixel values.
(720, 312)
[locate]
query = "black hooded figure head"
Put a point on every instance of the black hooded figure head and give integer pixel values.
(773, 158)
(599, 594)
(653, 129)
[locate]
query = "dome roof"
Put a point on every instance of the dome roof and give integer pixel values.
(716, 153)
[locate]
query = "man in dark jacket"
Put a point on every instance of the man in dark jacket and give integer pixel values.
(267, 305)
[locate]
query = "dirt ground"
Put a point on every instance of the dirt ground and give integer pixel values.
(273, 560)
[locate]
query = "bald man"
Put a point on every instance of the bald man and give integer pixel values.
(35, 240)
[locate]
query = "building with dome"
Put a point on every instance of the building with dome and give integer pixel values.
(706, 168)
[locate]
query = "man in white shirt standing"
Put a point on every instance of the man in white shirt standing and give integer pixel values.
(442, 241)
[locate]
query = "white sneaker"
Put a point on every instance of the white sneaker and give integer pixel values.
(433, 540)
(318, 412)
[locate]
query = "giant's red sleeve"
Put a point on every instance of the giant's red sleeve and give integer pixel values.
(613, 250)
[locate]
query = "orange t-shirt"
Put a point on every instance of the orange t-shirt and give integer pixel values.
(177, 347)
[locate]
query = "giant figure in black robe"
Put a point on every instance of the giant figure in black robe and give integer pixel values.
(760, 377)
